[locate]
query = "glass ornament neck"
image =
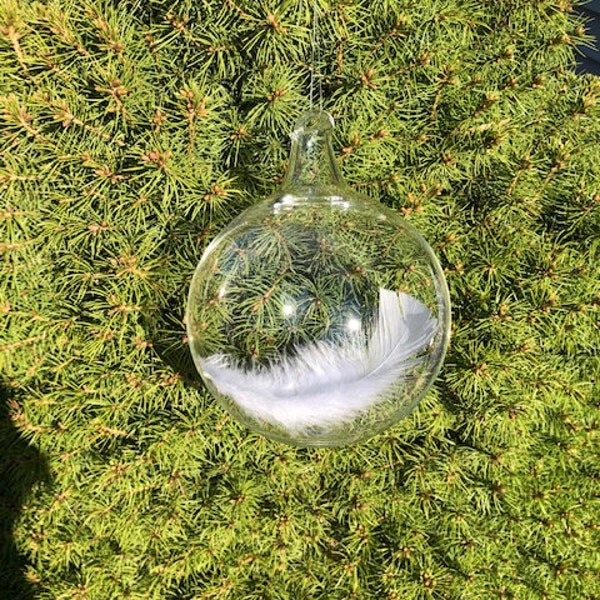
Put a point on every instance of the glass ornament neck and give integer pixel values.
(312, 160)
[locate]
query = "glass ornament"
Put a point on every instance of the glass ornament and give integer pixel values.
(318, 317)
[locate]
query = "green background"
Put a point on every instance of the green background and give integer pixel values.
(131, 133)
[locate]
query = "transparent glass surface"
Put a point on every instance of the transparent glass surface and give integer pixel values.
(319, 317)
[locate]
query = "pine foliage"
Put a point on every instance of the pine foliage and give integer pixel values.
(131, 132)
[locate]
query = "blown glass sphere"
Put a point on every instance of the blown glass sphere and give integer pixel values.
(318, 317)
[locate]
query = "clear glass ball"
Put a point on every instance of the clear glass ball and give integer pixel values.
(319, 317)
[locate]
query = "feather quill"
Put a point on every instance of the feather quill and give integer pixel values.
(325, 384)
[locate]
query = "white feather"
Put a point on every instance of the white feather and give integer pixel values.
(324, 384)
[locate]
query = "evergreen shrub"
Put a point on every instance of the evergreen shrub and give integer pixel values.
(131, 133)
